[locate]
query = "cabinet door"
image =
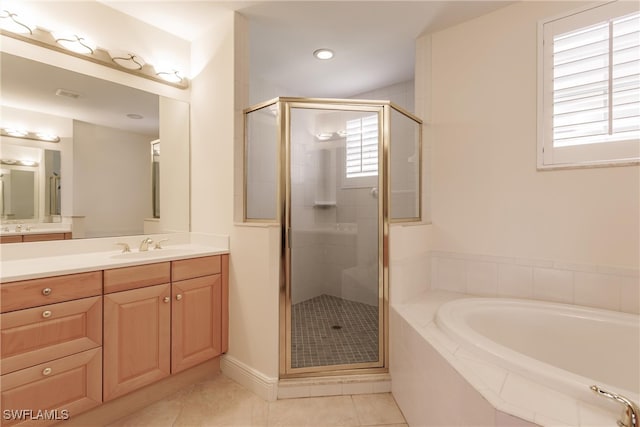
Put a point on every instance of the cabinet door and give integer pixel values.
(196, 321)
(63, 388)
(136, 339)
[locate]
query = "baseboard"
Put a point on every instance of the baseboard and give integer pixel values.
(254, 380)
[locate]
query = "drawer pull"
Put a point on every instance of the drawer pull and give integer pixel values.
(179, 297)
(46, 314)
(47, 371)
(166, 299)
(46, 292)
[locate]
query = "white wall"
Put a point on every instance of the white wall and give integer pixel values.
(219, 94)
(174, 165)
(115, 166)
(488, 197)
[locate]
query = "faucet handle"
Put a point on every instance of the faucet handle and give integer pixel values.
(159, 243)
(125, 247)
(630, 411)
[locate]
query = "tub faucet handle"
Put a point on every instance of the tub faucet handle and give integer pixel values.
(631, 411)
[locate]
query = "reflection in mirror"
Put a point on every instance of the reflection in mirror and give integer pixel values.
(53, 189)
(100, 177)
(155, 176)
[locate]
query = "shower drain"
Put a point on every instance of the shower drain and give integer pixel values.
(336, 327)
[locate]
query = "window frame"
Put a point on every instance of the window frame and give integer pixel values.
(585, 155)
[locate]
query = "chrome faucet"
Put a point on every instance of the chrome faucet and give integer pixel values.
(630, 410)
(144, 245)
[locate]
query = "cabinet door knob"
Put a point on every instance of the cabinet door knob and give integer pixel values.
(46, 314)
(179, 297)
(47, 371)
(166, 299)
(46, 291)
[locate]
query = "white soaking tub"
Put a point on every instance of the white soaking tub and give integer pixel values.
(567, 348)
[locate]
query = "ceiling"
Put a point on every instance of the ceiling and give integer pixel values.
(374, 41)
(374, 44)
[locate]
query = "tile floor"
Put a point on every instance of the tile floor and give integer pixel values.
(222, 402)
(327, 330)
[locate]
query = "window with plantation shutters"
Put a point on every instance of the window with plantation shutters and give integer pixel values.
(362, 147)
(591, 87)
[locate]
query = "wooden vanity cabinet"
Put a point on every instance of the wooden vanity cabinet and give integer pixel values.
(71, 342)
(36, 335)
(137, 322)
(64, 387)
(45, 237)
(11, 238)
(200, 316)
(161, 319)
(40, 237)
(51, 337)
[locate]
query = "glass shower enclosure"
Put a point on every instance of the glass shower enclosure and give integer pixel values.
(334, 174)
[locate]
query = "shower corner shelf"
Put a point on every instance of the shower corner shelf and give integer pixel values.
(324, 204)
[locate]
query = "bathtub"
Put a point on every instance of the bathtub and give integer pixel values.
(567, 348)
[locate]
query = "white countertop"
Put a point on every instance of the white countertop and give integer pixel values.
(69, 256)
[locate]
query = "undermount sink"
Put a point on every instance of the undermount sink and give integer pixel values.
(155, 253)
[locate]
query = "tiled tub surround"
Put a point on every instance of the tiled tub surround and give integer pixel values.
(428, 368)
(42, 259)
(611, 288)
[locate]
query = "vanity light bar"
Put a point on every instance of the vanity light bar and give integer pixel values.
(37, 136)
(11, 162)
(80, 47)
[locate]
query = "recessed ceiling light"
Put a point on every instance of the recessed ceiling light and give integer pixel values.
(323, 53)
(135, 116)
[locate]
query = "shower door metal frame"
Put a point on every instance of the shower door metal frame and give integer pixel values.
(383, 110)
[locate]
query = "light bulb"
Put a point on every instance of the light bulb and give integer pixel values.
(75, 43)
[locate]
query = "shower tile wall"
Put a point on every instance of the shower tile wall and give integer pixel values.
(336, 246)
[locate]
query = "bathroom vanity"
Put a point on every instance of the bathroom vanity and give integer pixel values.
(33, 237)
(73, 341)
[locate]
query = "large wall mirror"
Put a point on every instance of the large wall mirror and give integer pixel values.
(100, 175)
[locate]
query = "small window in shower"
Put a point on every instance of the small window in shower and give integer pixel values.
(362, 147)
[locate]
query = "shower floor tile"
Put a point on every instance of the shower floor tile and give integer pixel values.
(328, 330)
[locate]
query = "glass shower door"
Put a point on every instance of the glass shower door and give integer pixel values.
(334, 318)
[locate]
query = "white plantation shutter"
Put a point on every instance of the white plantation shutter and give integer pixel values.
(591, 93)
(362, 147)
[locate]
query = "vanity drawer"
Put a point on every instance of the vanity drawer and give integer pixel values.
(195, 267)
(38, 335)
(48, 290)
(11, 239)
(43, 237)
(139, 276)
(69, 385)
